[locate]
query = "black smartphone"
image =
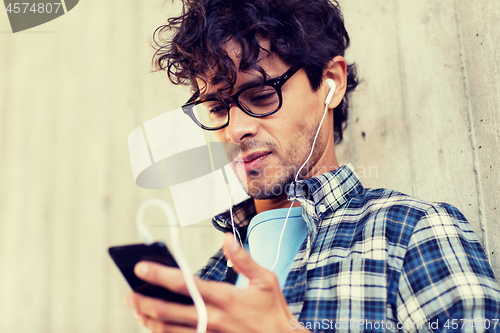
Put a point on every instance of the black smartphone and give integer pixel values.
(127, 256)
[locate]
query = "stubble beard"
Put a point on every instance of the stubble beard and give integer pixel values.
(265, 184)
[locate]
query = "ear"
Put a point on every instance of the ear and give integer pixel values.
(337, 71)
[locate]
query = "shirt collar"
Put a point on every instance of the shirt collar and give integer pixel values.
(326, 192)
(319, 196)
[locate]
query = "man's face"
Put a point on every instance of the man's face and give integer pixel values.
(274, 148)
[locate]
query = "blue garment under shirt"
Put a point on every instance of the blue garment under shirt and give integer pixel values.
(263, 236)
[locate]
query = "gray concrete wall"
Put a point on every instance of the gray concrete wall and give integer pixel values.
(425, 120)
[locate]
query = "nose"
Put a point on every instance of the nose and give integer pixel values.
(241, 126)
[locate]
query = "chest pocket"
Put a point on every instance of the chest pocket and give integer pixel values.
(348, 293)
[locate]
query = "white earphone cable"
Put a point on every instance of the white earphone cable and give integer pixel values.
(231, 213)
(199, 304)
(331, 84)
(296, 177)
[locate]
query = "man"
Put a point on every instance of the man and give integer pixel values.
(357, 258)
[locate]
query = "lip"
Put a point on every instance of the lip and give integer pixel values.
(253, 160)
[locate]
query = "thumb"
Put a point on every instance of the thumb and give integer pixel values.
(242, 262)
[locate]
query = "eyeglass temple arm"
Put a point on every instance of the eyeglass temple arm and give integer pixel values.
(194, 97)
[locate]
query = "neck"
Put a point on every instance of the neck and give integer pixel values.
(282, 200)
(274, 203)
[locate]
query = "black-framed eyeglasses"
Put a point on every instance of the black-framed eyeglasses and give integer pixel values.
(257, 100)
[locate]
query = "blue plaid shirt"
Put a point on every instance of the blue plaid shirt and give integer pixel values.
(378, 260)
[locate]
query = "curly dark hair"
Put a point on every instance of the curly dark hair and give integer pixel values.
(307, 33)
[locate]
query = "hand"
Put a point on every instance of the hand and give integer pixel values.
(259, 308)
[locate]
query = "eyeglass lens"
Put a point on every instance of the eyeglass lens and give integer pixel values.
(256, 100)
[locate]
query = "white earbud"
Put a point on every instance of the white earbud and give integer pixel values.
(332, 86)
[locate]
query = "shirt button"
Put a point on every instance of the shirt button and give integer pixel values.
(322, 208)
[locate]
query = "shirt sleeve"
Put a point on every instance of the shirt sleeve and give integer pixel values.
(446, 275)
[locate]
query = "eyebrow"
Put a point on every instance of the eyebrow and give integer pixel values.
(253, 82)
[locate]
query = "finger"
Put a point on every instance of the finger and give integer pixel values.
(163, 311)
(172, 279)
(161, 275)
(244, 263)
(157, 326)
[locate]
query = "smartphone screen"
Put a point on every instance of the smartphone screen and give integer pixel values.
(127, 256)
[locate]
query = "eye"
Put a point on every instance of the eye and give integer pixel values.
(261, 96)
(216, 108)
